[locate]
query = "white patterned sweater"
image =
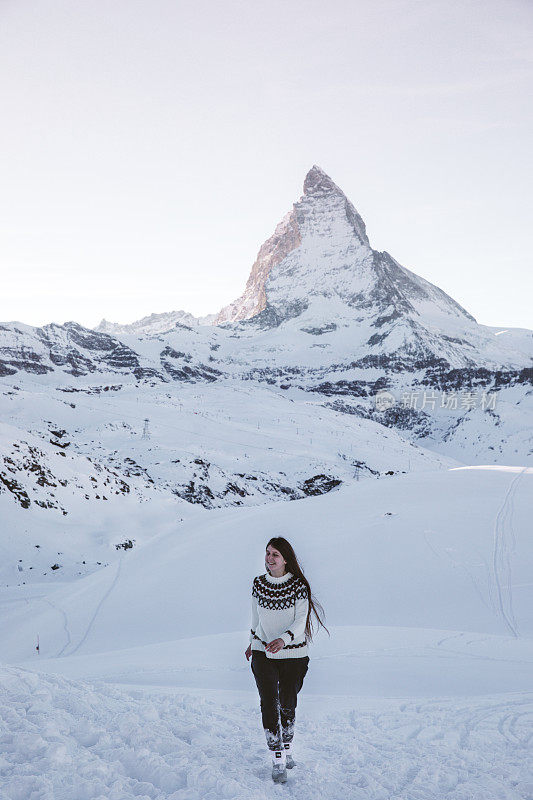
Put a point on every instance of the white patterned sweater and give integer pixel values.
(279, 611)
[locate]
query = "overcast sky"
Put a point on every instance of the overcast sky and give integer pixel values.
(149, 147)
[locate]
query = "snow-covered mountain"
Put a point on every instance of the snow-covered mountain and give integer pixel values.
(321, 250)
(319, 269)
(155, 323)
(324, 320)
(328, 335)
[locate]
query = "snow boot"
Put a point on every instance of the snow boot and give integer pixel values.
(279, 773)
(279, 770)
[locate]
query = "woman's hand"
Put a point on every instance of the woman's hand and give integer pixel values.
(248, 652)
(275, 646)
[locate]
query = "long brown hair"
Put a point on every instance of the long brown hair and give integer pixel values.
(287, 551)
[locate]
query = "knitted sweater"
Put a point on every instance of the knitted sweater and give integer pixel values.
(279, 611)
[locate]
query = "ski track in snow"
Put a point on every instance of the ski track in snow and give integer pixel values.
(61, 739)
(65, 624)
(98, 607)
(504, 543)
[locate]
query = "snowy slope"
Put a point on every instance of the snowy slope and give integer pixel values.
(65, 739)
(458, 539)
(77, 462)
(422, 691)
(214, 365)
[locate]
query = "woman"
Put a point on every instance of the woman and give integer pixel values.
(282, 605)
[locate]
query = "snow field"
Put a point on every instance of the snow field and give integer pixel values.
(425, 579)
(445, 550)
(62, 740)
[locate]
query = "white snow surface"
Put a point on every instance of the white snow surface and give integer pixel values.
(91, 741)
(422, 690)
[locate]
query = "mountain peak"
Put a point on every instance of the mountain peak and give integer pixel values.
(319, 257)
(318, 182)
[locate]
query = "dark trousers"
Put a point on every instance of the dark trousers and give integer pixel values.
(278, 681)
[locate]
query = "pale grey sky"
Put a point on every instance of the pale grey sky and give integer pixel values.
(151, 146)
